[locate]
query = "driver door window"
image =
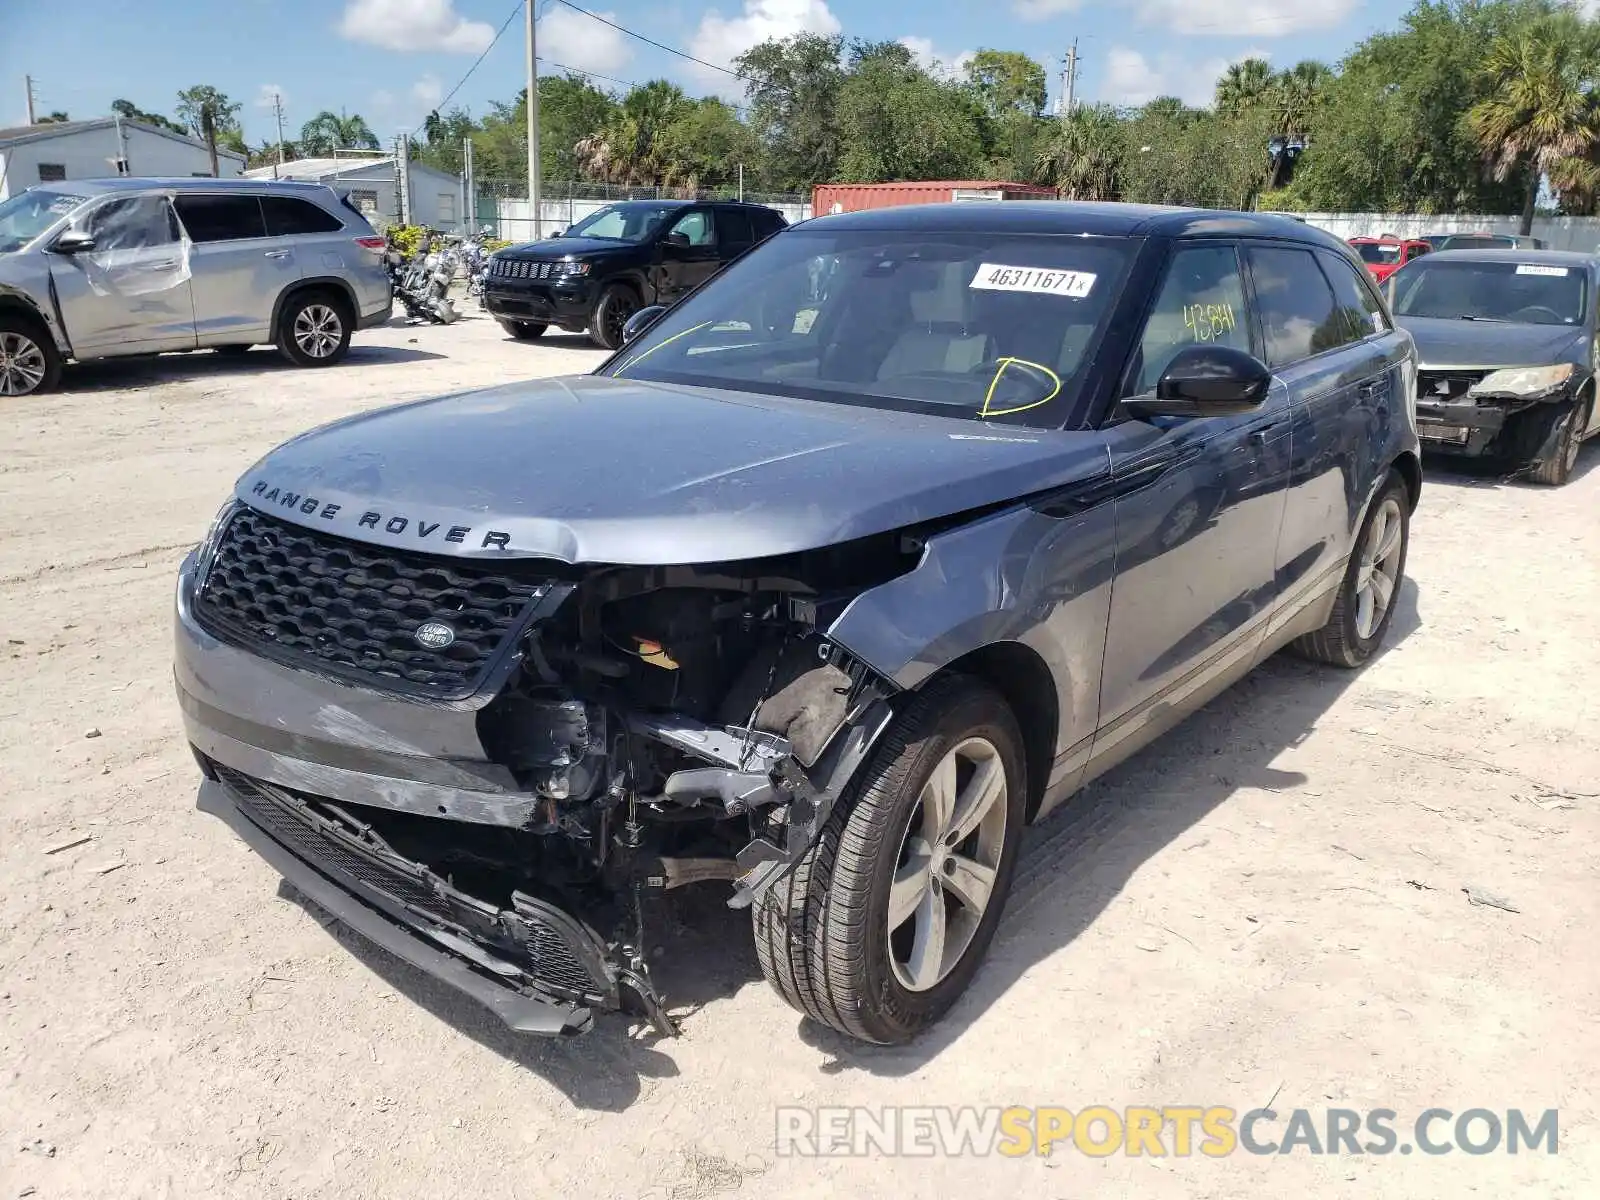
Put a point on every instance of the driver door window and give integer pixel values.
(1201, 303)
(697, 227)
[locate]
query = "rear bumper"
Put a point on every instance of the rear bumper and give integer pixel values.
(498, 984)
(377, 316)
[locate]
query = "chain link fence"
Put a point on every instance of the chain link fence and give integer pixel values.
(502, 204)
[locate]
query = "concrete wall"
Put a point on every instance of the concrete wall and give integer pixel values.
(1559, 233)
(88, 154)
(514, 218)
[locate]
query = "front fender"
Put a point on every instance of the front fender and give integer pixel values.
(1027, 575)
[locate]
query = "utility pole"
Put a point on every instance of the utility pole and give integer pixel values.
(1069, 78)
(470, 183)
(741, 183)
(402, 166)
(277, 109)
(28, 79)
(533, 122)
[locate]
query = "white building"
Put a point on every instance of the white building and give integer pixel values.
(373, 183)
(61, 150)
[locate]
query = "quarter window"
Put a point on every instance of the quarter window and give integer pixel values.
(287, 216)
(52, 172)
(1359, 313)
(221, 217)
(1299, 317)
(1201, 302)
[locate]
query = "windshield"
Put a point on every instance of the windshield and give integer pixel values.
(1466, 242)
(1526, 293)
(623, 222)
(977, 325)
(25, 217)
(1378, 252)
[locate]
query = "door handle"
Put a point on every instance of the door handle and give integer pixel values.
(276, 253)
(1260, 437)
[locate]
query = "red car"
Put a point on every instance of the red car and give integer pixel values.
(1384, 256)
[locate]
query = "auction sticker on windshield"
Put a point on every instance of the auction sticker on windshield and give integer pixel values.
(1531, 269)
(997, 277)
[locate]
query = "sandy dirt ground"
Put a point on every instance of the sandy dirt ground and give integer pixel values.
(1269, 904)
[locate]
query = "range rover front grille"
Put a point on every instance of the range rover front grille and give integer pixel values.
(327, 604)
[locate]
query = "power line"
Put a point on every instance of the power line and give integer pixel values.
(515, 9)
(652, 42)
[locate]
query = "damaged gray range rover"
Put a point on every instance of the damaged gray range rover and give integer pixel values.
(841, 571)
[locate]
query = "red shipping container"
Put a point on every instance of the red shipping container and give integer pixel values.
(852, 197)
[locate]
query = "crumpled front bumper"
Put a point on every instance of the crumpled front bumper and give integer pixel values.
(464, 966)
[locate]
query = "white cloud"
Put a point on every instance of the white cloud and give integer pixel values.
(428, 91)
(574, 40)
(721, 39)
(1131, 78)
(414, 25)
(1043, 10)
(264, 96)
(1244, 18)
(937, 62)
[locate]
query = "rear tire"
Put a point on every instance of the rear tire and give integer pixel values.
(616, 304)
(314, 329)
(1372, 578)
(524, 331)
(29, 361)
(847, 936)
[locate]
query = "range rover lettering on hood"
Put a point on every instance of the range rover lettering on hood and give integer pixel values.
(265, 495)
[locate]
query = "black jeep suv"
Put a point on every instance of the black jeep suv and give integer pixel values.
(617, 260)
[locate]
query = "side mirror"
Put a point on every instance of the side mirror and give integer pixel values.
(555, 233)
(680, 240)
(1206, 381)
(640, 321)
(73, 241)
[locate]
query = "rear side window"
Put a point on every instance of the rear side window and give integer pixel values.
(734, 225)
(1298, 314)
(1358, 308)
(287, 216)
(221, 217)
(766, 223)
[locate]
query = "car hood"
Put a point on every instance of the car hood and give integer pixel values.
(1450, 343)
(599, 470)
(551, 249)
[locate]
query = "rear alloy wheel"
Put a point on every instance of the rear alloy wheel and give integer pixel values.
(524, 331)
(883, 922)
(1371, 585)
(314, 331)
(617, 303)
(28, 360)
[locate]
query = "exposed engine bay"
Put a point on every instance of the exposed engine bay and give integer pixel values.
(678, 725)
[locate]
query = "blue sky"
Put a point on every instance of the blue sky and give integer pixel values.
(393, 60)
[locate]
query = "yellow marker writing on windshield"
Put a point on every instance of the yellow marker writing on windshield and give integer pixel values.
(666, 342)
(1000, 370)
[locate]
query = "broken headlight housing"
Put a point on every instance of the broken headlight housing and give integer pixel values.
(1525, 381)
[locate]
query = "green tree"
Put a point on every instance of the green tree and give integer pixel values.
(1244, 86)
(898, 122)
(1084, 155)
(53, 118)
(1011, 88)
(210, 114)
(129, 111)
(704, 145)
(793, 87)
(1541, 117)
(330, 131)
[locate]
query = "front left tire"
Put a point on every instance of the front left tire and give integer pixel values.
(884, 921)
(29, 361)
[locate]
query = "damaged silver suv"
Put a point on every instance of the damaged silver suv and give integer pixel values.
(841, 571)
(113, 267)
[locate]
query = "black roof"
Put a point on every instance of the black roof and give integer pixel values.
(669, 202)
(1074, 216)
(1551, 258)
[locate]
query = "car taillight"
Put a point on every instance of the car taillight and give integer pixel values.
(371, 243)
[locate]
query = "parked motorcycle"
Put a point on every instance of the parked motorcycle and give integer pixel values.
(475, 256)
(422, 284)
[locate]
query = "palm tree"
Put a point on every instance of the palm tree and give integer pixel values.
(628, 149)
(1083, 156)
(1296, 97)
(329, 131)
(1244, 85)
(1541, 116)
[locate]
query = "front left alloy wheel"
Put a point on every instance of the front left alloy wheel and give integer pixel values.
(882, 924)
(28, 359)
